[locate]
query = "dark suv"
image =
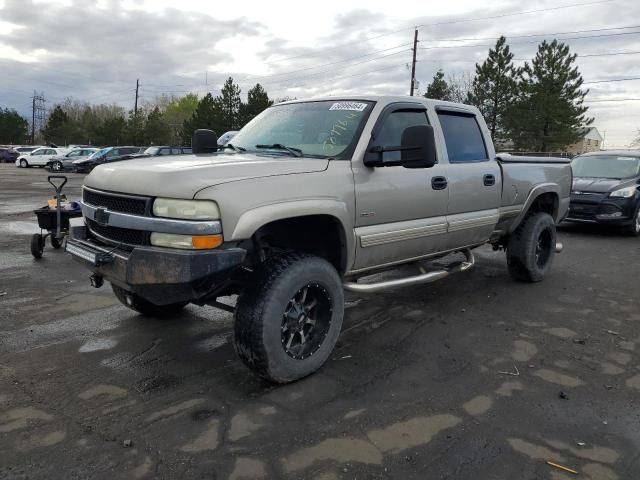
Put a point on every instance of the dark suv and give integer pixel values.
(606, 189)
(106, 155)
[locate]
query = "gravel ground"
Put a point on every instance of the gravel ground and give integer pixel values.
(474, 377)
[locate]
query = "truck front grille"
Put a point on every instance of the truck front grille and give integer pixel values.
(124, 237)
(133, 205)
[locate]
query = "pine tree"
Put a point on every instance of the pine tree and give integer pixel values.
(208, 114)
(13, 128)
(548, 112)
(438, 89)
(58, 128)
(230, 103)
(257, 101)
(494, 89)
(156, 128)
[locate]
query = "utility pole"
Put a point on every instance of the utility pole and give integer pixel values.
(135, 114)
(38, 114)
(413, 63)
(33, 118)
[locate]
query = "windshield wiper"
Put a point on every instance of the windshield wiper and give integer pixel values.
(234, 148)
(295, 152)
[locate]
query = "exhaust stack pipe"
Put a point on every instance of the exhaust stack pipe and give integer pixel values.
(425, 277)
(559, 247)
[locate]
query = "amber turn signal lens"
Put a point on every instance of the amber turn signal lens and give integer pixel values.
(203, 242)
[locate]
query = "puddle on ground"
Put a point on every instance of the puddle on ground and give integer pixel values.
(595, 454)
(40, 441)
(340, 450)
(207, 440)
(507, 388)
(19, 418)
(175, 409)
(561, 332)
(523, 351)
(620, 357)
(558, 378)
(354, 413)
(633, 382)
(243, 425)
(246, 468)
(478, 405)
(110, 391)
(533, 451)
(599, 472)
(411, 433)
(142, 469)
(98, 344)
(211, 343)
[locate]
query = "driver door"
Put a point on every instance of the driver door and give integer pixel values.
(400, 212)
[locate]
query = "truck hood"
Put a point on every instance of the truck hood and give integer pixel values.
(184, 175)
(597, 185)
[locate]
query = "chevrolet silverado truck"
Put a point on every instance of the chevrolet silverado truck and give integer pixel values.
(312, 198)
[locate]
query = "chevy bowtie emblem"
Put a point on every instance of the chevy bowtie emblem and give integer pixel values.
(101, 216)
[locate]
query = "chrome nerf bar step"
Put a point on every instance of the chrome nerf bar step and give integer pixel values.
(424, 277)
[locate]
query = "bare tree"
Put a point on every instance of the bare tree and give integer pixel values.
(459, 86)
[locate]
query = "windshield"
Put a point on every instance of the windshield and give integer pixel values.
(318, 129)
(99, 153)
(606, 166)
(152, 150)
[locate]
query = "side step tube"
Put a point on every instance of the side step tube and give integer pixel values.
(426, 277)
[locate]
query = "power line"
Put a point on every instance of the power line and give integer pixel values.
(612, 80)
(613, 100)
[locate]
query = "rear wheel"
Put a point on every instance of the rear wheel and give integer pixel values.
(145, 307)
(288, 320)
(55, 242)
(37, 245)
(56, 166)
(532, 247)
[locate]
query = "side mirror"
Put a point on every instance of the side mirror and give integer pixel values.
(417, 150)
(418, 147)
(204, 141)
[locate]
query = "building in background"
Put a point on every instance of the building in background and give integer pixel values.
(590, 141)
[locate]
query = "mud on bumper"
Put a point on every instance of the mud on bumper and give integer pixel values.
(160, 275)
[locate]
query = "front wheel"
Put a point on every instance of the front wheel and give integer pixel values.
(532, 247)
(634, 228)
(37, 245)
(145, 307)
(24, 163)
(56, 166)
(288, 320)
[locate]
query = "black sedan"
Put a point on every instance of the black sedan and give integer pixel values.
(606, 189)
(65, 161)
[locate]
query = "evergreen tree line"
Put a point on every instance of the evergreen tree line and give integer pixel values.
(537, 107)
(165, 121)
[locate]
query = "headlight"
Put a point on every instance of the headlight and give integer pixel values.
(186, 242)
(186, 209)
(627, 192)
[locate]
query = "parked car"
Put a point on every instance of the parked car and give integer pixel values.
(314, 198)
(39, 157)
(606, 189)
(8, 155)
(105, 155)
(226, 137)
(26, 149)
(65, 161)
(161, 151)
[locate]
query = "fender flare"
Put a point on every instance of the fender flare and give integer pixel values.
(534, 193)
(252, 220)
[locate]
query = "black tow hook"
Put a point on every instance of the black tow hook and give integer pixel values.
(96, 281)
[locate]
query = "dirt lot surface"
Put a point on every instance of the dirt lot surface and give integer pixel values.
(475, 377)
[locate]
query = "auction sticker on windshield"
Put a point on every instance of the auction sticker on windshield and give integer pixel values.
(355, 106)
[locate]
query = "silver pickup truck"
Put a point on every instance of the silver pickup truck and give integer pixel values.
(310, 199)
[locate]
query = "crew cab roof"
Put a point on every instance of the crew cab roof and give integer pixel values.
(619, 153)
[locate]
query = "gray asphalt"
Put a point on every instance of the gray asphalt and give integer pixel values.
(474, 377)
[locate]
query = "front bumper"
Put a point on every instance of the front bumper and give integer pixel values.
(600, 208)
(159, 275)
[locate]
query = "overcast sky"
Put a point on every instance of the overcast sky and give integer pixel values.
(95, 50)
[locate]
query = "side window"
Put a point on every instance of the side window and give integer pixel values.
(463, 137)
(112, 153)
(391, 132)
(50, 152)
(75, 153)
(186, 150)
(164, 151)
(176, 151)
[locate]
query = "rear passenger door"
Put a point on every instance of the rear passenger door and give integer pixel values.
(474, 179)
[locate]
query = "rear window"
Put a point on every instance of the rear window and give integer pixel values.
(463, 137)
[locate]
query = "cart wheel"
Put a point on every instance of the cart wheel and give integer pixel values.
(37, 245)
(55, 242)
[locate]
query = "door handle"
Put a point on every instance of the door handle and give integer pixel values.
(489, 180)
(439, 183)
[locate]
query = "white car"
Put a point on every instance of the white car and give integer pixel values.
(39, 157)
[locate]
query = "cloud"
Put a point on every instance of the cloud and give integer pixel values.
(96, 54)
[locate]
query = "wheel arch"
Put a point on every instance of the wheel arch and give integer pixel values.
(542, 198)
